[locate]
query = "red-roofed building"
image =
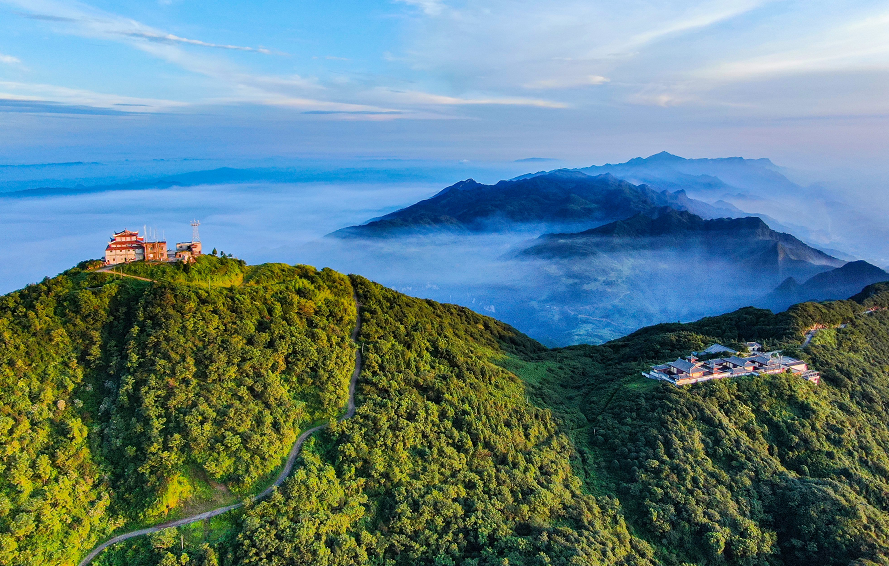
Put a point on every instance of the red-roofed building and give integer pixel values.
(127, 246)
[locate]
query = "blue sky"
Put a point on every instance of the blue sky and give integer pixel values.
(803, 82)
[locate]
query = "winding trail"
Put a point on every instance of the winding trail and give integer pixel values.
(288, 466)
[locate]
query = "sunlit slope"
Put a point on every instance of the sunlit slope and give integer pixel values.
(472, 444)
(124, 401)
(752, 470)
(445, 462)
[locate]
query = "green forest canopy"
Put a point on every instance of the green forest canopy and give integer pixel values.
(124, 401)
(472, 444)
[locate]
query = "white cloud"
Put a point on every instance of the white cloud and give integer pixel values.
(429, 7)
(697, 17)
(567, 82)
(170, 38)
(429, 99)
(94, 22)
(504, 45)
(34, 92)
(856, 45)
(9, 59)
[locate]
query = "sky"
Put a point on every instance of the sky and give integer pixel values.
(805, 83)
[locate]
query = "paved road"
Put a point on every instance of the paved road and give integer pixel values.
(288, 466)
(809, 335)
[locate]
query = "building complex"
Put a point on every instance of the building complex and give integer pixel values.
(685, 371)
(127, 246)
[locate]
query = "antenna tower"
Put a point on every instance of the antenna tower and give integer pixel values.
(195, 237)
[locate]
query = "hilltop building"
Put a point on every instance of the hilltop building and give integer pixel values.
(685, 371)
(127, 246)
(187, 251)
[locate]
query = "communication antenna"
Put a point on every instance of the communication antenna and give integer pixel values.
(195, 237)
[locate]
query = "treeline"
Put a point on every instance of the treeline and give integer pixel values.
(122, 400)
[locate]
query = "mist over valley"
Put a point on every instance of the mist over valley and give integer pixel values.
(570, 256)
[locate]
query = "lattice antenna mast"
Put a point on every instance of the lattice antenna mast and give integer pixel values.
(195, 237)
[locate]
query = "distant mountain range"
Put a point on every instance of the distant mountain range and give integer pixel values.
(834, 284)
(558, 199)
(666, 171)
(614, 247)
(746, 245)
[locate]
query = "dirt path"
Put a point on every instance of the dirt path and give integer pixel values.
(288, 466)
(110, 269)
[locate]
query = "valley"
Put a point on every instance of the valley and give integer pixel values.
(581, 256)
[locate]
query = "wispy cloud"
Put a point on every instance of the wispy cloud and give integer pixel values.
(567, 82)
(506, 45)
(170, 38)
(58, 99)
(94, 21)
(44, 107)
(859, 44)
(429, 7)
(425, 98)
(698, 17)
(9, 59)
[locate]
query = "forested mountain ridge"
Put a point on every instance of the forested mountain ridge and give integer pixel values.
(558, 198)
(748, 242)
(446, 464)
(123, 400)
(446, 461)
(756, 470)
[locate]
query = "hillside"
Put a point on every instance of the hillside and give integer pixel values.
(602, 283)
(447, 464)
(446, 461)
(834, 284)
(556, 199)
(125, 402)
(746, 245)
(758, 470)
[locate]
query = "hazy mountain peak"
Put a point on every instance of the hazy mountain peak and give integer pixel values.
(466, 185)
(834, 284)
(662, 157)
(563, 199)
